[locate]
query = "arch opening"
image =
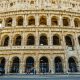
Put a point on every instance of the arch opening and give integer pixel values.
(29, 65)
(58, 65)
(31, 21)
(2, 64)
(76, 22)
(56, 40)
(43, 20)
(20, 21)
(6, 41)
(30, 40)
(54, 21)
(69, 41)
(66, 21)
(15, 65)
(72, 65)
(8, 22)
(43, 40)
(17, 41)
(44, 65)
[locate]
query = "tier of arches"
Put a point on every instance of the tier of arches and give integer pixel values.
(44, 66)
(43, 40)
(42, 20)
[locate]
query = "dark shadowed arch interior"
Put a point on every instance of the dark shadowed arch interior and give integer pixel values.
(31, 40)
(72, 65)
(77, 22)
(31, 20)
(15, 65)
(8, 22)
(58, 65)
(54, 21)
(66, 21)
(20, 21)
(44, 65)
(6, 41)
(69, 40)
(43, 20)
(43, 40)
(56, 40)
(2, 63)
(18, 40)
(29, 65)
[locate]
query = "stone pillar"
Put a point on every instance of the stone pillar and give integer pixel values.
(7, 66)
(21, 69)
(50, 38)
(37, 38)
(51, 65)
(60, 21)
(76, 44)
(66, 55)
(24, 38)
(22, 65)
(37, 20)
(48, 20)
(65, 65)
(78, 66)
(37, 64)
(72, 22)
(3, 23)
(14, 22)
(11, 40)
(25, 23)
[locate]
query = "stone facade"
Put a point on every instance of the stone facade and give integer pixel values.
(40, 35)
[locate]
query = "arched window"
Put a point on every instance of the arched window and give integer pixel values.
(76, 22)
(2, 64)
(44, 65)
(29, 65)
(79, 40)
(5, 41)
(20, 21)
(15, 65)
(8, 22)
(69, 41)
(31, 20)
(66, 21)
(17, 41)
(43, 40)
(54, 21)
(56, 40)
(43, 20)
(31, 40)
(58, 65)
(72, 65)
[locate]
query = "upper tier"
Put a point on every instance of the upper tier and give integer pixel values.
(15, 5)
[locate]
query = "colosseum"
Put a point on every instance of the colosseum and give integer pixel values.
(41, 36)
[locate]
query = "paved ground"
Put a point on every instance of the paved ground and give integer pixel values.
(40, 77)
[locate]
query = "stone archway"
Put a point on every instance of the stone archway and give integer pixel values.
(2, 63)
(58, 65)
(43, 40)
(44, 65)
(15, 65)
(72, 65)
(29, 68)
